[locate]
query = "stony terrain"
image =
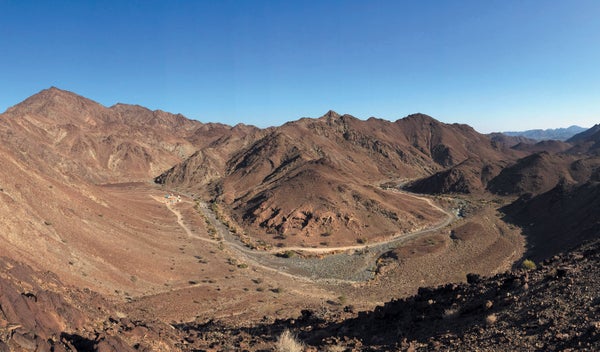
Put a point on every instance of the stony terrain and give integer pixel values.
(551, 308)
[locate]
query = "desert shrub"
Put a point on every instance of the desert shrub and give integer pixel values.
(286, 254)
(288, 342)
(528, 264)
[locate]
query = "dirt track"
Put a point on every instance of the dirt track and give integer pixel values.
(345, 264)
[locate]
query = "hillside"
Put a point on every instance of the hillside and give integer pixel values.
(69, 201)
(79, 138)
(587, 141)
(559, 218)
(320, 176)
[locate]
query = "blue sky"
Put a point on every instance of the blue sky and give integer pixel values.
(495, 65)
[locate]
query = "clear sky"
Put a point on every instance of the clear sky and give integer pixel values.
(495, 65)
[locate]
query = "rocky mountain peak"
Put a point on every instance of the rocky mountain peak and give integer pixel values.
(54, 104)
(331, 115)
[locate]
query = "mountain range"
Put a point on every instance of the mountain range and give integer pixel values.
(559, 134)
(151, 226)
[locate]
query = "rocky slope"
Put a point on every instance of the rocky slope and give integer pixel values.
(56, 131)
(59, 132)
(536, 173)
(320, 176)
(553, 307)
(587, 141)
(565, 215)
(40, 313)
(469, 177)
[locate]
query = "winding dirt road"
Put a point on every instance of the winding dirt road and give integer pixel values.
(347, 264)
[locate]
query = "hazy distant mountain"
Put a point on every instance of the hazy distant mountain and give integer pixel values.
(561, 134)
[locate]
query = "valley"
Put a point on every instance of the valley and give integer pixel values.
(160, 233)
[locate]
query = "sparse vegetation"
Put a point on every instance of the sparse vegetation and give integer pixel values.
(528, 264)
(286, 254)
(288, 342)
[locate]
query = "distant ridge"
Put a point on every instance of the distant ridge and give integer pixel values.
(561, 134)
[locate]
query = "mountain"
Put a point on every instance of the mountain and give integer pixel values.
(76, 187)
(320, 176)
(561, 134)
(589, 135)
(586, 142)
(469, 177)
(550, 146)
(123, 228)
(80, 138)
(536, 173)
(503, 140)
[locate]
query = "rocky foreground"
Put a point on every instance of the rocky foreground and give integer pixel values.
(553, 307)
